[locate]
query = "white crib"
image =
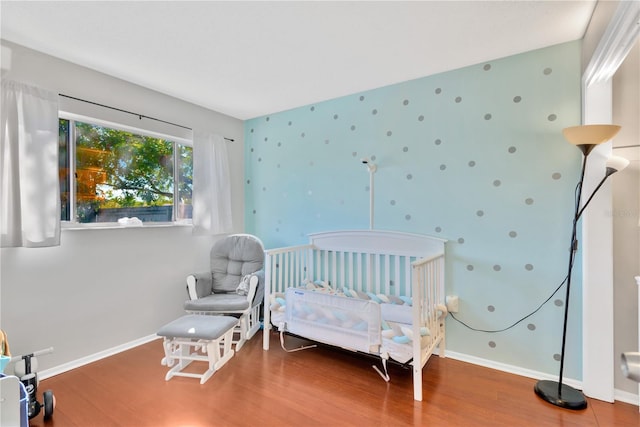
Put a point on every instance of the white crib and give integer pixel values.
(389, 264)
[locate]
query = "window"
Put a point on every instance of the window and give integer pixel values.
(107, 174)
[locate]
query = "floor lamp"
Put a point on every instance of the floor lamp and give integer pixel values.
(585, 138)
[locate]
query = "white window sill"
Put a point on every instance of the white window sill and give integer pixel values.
(115, 226)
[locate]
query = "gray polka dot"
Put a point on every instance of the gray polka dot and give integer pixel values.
(461, 240)
(302, 135)
(393, 203)
(313, 108)
(252, 149)
(487, 116)
(251, 130)
(248, 181)
(529, 201)
(389, 133)
(458, 99)
(438, 91)
(374, 111)
(361, 98)
(531, 327)
(266, 138)
(517, 99)
(558, 303)
(437, 142)
(259, 159)
(290, 123)
(438, 229)
(405, 102)
(552, 117)
(264, 188)
(513, 234)
(491, 309)
(470, 267)
(353, 153)
(528, 267)
(557, 357)
(279, 144)
(407, 217)
(335, 117)
(497, 183)
(443, 167)
(267, 119)
(497, 267)
(556, 175)
(486, 67)
(512, 149)
(420, 118)
(547, 71)
(472, 163)
(353, 127)
(480, 213)
(311, 163)
(409, 176)
(373, 158)
(326, 141)
(405, 149)
(492, 344)
(254, 211)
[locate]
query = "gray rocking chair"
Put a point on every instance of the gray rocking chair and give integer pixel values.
(234, 286)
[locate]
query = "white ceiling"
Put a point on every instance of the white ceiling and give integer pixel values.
(248, 59)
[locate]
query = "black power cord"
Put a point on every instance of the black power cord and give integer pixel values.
(514, 324)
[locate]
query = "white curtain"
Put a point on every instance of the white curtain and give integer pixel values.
(211, 185)
(29, 184)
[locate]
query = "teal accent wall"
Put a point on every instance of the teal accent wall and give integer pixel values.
(476, 156)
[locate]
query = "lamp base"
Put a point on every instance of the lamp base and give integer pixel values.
(569, 397)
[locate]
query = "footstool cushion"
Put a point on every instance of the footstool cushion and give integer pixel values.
(198, 326)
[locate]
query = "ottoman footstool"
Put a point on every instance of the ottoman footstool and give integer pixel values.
(212, 335)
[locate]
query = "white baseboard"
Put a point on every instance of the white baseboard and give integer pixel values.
(57, 370)
(619, 395)
(625, 396)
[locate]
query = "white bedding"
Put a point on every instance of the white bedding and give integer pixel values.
(320, 313)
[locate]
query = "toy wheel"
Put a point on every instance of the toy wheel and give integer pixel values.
(49, 404)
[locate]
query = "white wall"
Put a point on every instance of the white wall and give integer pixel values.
(102, 289)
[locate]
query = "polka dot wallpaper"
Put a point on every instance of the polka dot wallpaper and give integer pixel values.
(474, 155)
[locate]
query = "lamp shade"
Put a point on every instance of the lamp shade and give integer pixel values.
(617, 163)
(590, 134)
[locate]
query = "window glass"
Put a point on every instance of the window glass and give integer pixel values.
(122, 174)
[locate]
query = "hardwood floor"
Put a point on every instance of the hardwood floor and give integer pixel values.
(318, 387)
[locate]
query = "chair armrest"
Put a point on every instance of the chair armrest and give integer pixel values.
(258, 294)
(199, 285)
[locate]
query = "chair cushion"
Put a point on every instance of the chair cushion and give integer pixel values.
(232, 258)
(218, 302)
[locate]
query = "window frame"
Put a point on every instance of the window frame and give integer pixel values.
(72, 223)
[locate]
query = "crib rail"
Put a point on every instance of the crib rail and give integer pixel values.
(429, 307)
(284, 268)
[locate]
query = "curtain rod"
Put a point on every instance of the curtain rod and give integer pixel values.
(141, 116)
(626, 146)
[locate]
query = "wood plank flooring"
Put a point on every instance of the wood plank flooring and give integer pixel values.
(318, 387)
